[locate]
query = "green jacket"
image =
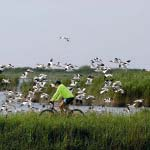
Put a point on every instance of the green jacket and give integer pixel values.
(62, 92)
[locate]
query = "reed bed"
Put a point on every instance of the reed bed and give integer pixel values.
(91, 132)
(135, 83)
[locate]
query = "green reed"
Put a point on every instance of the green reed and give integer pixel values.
(29, 131)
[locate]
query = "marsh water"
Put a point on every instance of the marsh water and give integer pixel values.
(98, 109)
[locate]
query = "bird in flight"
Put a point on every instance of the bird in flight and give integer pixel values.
(65, 38)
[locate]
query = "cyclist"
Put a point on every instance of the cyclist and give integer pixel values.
(62, 93)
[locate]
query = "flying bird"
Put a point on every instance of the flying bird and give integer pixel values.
(65, 38)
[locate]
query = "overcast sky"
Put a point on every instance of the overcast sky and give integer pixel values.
(30, 30)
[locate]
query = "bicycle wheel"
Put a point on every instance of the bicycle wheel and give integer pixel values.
(47, 112)
(77, 112)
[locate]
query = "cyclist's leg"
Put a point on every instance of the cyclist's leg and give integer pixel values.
(61, 106)
(66, 107)
(66, 103)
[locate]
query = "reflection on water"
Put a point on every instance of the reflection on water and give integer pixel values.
(20, 82)
(2, 97)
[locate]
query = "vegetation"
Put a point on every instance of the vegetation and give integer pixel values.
(92, 132)
(136, 83)
(13, 83)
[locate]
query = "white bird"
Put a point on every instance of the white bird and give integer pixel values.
(81, 91)
(98, 60)
(24, 103)
(139, 101)
(119, 90)
(44, 96)
(58, 65)
(104, 90)
(65, 38)
(96, 63)
(9, 66)
(1, 69)
(76, 77)
(79, 98)
(30, 95)
(29, 70)
(116, 60)
(24, 75)
(5, 81)
(117, 84)
(50, 63)
(92, 64)
(122, 64)
(107, 84)
(29, 103)
(73, 83)
(40, 78)
(105, 69)
(19, 96)
(29, 98)
(107, 100)
(89, 80)
(130, 107)
(40, 66)
(107, 75)
(52, 85)
(101, 68)
(126, 110)
(10, 94)
(71, 89)
(90, 97)
(69, 67)
(39, 86)
(117, 87)
(36, 90)
(42, 84)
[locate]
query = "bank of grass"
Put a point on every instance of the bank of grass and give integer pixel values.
(93, 132)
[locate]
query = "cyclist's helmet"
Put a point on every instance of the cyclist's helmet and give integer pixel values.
(57, 82)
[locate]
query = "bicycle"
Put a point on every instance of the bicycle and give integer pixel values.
(52, 111)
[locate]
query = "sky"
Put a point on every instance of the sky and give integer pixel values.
(30, 31)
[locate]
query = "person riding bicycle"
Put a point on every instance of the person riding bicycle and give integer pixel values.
(62, 93)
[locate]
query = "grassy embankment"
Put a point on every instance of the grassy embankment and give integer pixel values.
(29, 131)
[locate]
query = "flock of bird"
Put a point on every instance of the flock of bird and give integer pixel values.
(57, 65)
(16, 98)
(80, 93)
(3, 67)
(99, 66)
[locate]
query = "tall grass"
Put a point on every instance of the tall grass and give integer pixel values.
(92, 132)
(135, 83)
